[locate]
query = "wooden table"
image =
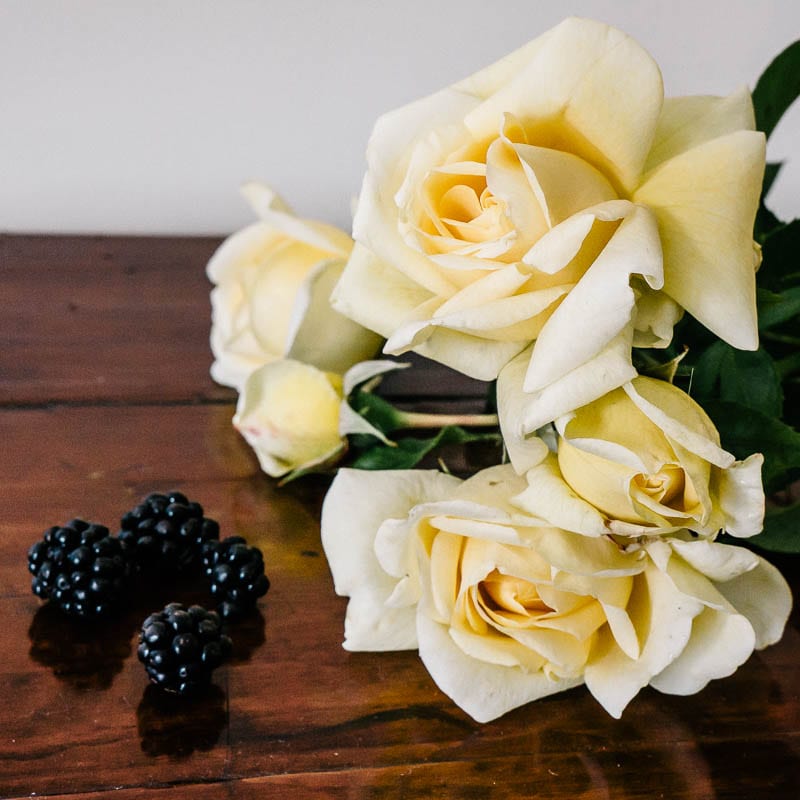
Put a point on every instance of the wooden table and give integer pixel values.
(105, 396)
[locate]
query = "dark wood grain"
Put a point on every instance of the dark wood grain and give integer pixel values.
(105, 319)
(293, 715)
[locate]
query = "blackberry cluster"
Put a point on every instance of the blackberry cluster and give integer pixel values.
(180, 647)
(80, 568)
(83, 570)
(236, 575)
(164, 534)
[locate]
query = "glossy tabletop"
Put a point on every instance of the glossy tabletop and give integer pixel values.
(104, 397)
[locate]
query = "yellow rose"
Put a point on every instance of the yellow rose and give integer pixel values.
(642, 460)
(288, 412)
(272, 282)
(505, 610)
(555, 197)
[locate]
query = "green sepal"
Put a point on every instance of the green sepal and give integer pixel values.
(379, 412)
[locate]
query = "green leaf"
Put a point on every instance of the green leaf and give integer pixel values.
(777, 88)
(770, 173)
(411, 450)
(789, 365)
(777, 308)
(766, 222)
(781, 257)
(746, 377)
(781, 532)
(744, 431)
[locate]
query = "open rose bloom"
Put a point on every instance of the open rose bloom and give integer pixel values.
(557, 199)
(506, 609)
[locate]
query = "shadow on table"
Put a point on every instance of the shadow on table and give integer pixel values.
(175, 726)
(86, 655)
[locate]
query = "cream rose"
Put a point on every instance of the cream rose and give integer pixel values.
(643, 459)
(555, 197)
(297, 417)
(505, 610)
(273, 281)
(288, 412)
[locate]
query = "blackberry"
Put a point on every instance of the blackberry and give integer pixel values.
(80, 568)
(165, 532)
(180, 647)
(236, 575)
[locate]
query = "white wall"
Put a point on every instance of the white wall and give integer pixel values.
(146, 115)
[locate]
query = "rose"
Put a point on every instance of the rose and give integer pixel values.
(555, 197)
(297, 417)
(642, 459)
(505, 610)
(272, 284)
(288, 412)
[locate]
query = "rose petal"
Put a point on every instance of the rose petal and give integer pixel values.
(609, 369)
(656, 316)
(603, 300)
(497, 649)
(763, 596)
(366, 370)
(549, 496)
(485, 691)
(720, 643)
(687, 122)
(595, 80)
(349, 526)
(663, 620)
(315, 323)
(247, 246)
(288, 413)
(274, 211)
(276, 293)
(741, 497)
(375, 295)
(263, 199)
(586, 557)
(473, 356)
(681, 419)
(565, 242)
(563, 183)
(356, 505)
(236, 350)
(350, 422)
(718, 562)
(705, 201)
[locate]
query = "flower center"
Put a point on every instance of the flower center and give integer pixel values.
(461, 208)
(505, 597)
(666, 487)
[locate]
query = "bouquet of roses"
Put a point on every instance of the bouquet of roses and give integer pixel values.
(555, 225)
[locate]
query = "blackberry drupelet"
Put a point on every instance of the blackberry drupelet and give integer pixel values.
(80, 568)
(164, 534)
(236, 575)
(180, 647)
